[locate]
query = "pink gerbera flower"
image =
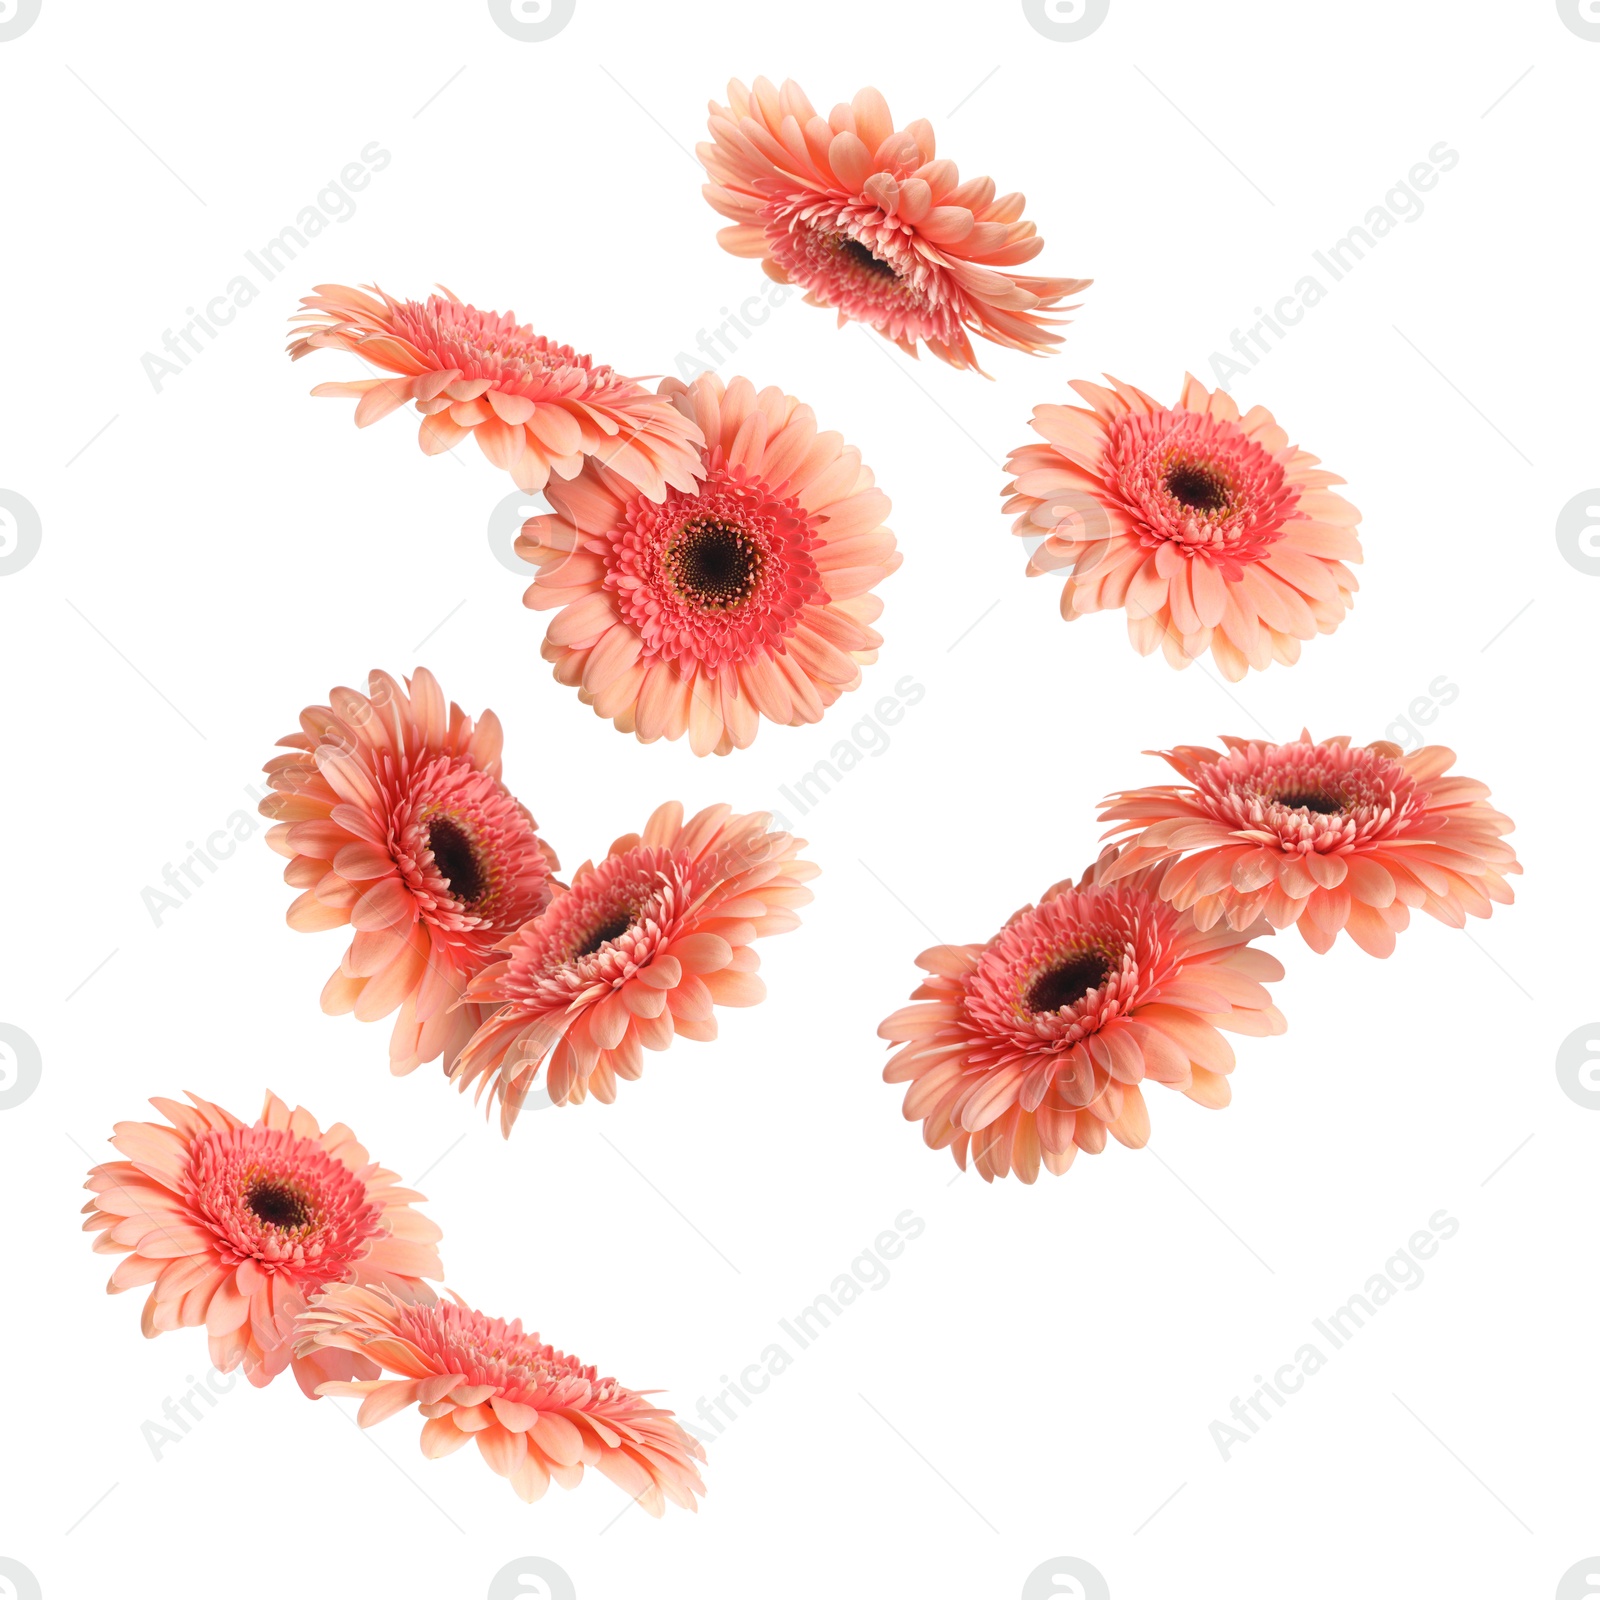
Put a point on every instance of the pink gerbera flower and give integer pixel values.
(238, 1228)
(1209, 527)
(867, 222)
(1032, 1046)
(747, 597)
(642, 947)
(535, 1413)
(395, 821)
(535, 407)
(1318, 835)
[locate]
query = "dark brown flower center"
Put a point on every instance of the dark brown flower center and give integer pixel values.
(612, 928)
(854, 250)
(1197, 487)
(713, 563)
(1311, 800)
(278, 1204)
(1067, 982)
(456, 860)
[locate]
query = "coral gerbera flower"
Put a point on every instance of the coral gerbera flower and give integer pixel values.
(535, 407)
(747, 597)
(395, 821)
(536, 1414)
(641, 947)
(238, 1228)
(1210, 528)
(866, 221)
(1032, 1046)
(1318, 835)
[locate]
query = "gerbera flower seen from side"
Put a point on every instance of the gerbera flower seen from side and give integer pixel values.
(1210, 528)
(866, 220)
(1318, 835)
(1031, 1047)
(642, 947)
(535, 407)
(534, 1413)
(747, 597)
(237, 1228)
(392, 813)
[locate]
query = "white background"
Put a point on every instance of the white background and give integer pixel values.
(1039, 1377)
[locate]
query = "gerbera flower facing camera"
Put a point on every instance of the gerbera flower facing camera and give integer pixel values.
(746, 598)
(238, 1227)
(1209, 528)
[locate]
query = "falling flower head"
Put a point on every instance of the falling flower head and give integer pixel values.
(1210, 528)
(535, 407)
(237, 1228)
(747, 597)
(644, 946)
(535, 1413)
(1031, 1047)
(392, 813)
(1320, 835)
(866, 221)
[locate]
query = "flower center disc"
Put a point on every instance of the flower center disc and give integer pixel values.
(456, 860)
(1067, 982)
(853, 250)
(1197, 487)
(713, 564)
(612, 928)
(1201, 483)
(1324, 805)
(277, 1204)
